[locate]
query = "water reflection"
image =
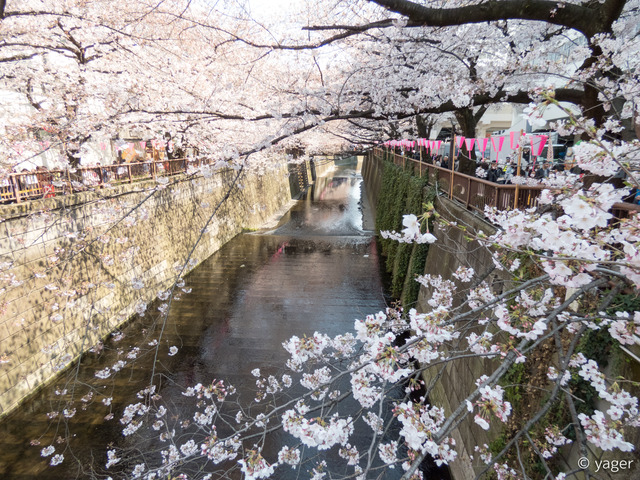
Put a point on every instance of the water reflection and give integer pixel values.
(332, 207)
(317, 271)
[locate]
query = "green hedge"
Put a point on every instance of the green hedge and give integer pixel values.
(402, 193)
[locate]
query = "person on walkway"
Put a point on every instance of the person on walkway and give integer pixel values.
(568, 157)
(633, 197)
(509, 172)
(445, 162)
(493, 174)
(482, 170)
(542, 172)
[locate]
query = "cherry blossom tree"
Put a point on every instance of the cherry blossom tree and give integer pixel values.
(90, 71)
(174, 66)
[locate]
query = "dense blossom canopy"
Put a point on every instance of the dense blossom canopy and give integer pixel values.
(211, 77)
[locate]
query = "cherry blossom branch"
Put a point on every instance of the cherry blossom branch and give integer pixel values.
(535, 419)
(540, 456)
(571, 15)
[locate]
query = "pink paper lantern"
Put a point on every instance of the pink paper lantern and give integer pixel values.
(469, 143)
(515, 140)
(497, 145)
(482, 145)
(543, 141)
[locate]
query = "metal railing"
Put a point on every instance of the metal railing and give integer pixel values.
(476, 193)
(19, 187)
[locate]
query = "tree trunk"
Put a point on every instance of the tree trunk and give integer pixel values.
(467, 121)
(424, 124)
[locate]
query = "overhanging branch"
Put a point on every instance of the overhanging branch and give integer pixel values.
(578, 17)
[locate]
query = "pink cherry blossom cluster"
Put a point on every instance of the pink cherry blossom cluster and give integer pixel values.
(411, 233)
(603, 433)
(304, 349)
(289, 456)
(491, 402)
(317, 432)
(419, 422)
(464, 274)
(216, 389)
(625, 330)
(553, 439)
(442, 290)
(483, 344)
(254, 466)
(316, 381)
(220, 450)
(582, 232)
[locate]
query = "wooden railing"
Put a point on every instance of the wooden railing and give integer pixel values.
(18, 187)
(476, 193)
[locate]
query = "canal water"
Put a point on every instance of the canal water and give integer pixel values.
(318, 270)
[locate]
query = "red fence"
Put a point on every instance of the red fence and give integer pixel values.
(18, 187)
(476, 193)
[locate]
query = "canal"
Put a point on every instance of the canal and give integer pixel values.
(317, 270)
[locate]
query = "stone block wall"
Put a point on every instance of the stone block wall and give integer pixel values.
(444, 257)
(73, 268)
(458, 380)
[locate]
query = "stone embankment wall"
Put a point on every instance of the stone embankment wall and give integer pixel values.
(451, 251)
(73, 268)
(443, 258)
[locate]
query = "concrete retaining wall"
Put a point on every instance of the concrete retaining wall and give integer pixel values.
(444, 257)
(321, 166)
(73, 268)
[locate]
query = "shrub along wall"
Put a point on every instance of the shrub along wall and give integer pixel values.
(402, 192)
